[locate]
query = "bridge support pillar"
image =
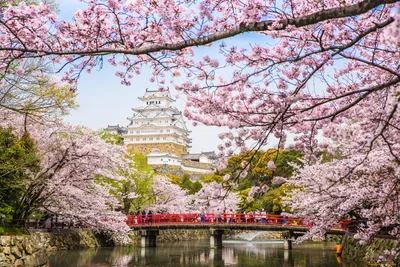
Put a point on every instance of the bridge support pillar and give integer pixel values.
(287, 239)
(287, 244)
(148, 238)
(216, 238)
(325, 238)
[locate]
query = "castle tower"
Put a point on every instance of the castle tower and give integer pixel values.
(157, 126)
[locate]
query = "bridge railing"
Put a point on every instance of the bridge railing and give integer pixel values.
(193, 218)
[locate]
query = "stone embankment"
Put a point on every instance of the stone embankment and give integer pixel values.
(174, 235)
(370, 252)
(32, 250)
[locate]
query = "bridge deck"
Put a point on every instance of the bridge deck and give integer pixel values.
(254, 227)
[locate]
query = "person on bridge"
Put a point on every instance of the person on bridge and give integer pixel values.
(136, 218)
(218, 216)
(263, 217)
(150, 217)
(283, 218)
(202, 216)
(143, 217)
(231, 218)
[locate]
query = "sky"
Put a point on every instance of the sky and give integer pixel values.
(104, 101)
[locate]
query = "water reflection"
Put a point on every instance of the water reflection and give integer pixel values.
(199, 254)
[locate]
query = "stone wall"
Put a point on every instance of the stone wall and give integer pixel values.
(174, 235)
(367, 252)
(176, 170)
(32, 250)
(171, 148)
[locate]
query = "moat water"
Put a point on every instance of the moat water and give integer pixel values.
(198, 253)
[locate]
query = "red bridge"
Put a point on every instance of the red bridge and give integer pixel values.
(141, 221)
(150, 225)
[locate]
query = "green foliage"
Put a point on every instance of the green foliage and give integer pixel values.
(213, 178)
(264, 202)
(51, 3)
(34, 92)
(12, 230)
(327, 157)
(174, 179)
(138, 183)
(258, 174)
(187, 184)
(283, 168)
(18, 157)
(257, 161)
(110, 138)
(281, 192)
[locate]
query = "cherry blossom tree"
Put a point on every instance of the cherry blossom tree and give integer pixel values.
(365, 187)
(30, 88)
(214, 198)
(169, 197)
(69, 182)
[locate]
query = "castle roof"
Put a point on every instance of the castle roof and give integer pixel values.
(151, 94)
(153, 107)
(117, 128)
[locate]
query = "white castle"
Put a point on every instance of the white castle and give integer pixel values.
(157, 129)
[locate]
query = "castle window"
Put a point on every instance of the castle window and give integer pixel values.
(161, 131)
(137, 131)
(158, 138)
(151, 139)
(144, 139)
(164, 138)
(137, 139)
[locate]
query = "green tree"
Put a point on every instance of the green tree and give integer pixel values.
(256, 163)
(18, 157)
(174, 178)
(136, 192)
(187, 184)
(35, 91)
(283, 191)
(110, 138)
(257, 172)
(213, 178)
